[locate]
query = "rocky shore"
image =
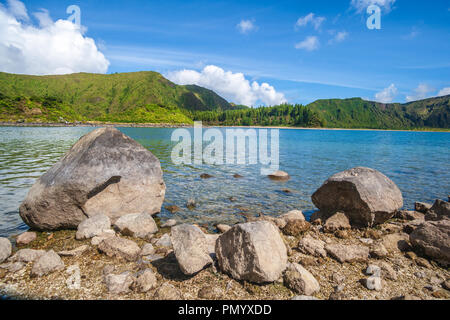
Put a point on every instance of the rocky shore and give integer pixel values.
(359, 245)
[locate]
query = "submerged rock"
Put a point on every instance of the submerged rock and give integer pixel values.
(93, 227)
(433, 239)
(136, 225)
(279, 175)
(47, 263)
(26, 238)
(104, 172)
(365, 195)
(5, 249)
(252, 251)
(121, 248)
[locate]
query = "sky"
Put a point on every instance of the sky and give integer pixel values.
(250, 52)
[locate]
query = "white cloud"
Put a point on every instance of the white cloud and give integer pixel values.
(362, 5)
(444, 92)
(339, 37)
(420, 93)
(246, 26)
(52, 48)
(310, 44)
(310, 18)
(232, 86)
(387, 95)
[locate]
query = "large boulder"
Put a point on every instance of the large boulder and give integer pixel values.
(191, 248)
(252, 251)
(433, 238)
(365, 195)
(105, 172)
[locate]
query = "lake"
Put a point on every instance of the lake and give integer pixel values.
(418, 162)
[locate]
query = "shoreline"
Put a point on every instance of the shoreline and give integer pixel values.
(184, 125)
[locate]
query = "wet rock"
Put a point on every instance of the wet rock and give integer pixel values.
(74, 252)
(119, 283)
(5, 249)
(314, 247)
(296, 227)
(173, 209)
(252, 251)
(373, 283)
(167, 292)
(300, 280)
(120, 248)
(136, 225)
(147, 250)
(146, 280)
(433, 239)
(26, 238)
(93, 226)
(338, 221)
(365, 195)
(347, 253)
(237, 176)
(27, 255)
(47, 263)
(169, 223)
(164, 241)
(190, 248)
(378, 251)
(396, 242)
(206, 176)
(223, 227)
(191, 204)
(105, 172)
(422, 207)
(441, 208)
(210, 293)
(279, 175)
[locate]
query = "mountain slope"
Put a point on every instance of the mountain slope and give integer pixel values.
(126, 97)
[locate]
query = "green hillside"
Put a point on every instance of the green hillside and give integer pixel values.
(140, 97)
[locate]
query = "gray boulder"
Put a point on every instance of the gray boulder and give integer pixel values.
(93, 227)
(120, 248)
(365, 195)
(5, 249)
(104, 172)
(433, 238)
(47, 263)
(191, 248)
(136, 225)
(252, 251)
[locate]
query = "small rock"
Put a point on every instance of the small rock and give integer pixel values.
(164, 241)
(373, 283)
(279, 175)
(342, 234)
(13, 266)
(237, 176)
(303, 297)
(338, 221)
(173, 209)
(5, 249)
(108, 269)
(146, 280)
(366, 241)
(167, 292)
(120, 283)
(373, 270)
(74, 280)
(147, 250)
(308, 261)
(422, 207)
(441, 208)
(433, 238)
(47, 263)
(296, 227)
(378, 251)
(121, 248)
(169, 223)
(206, 176)
(396, 242)
(26, 238)
(300, 280)
(191, 204)
(27, 255)
(318, 218)
(309, 245)
(103, 236)
(440, 294)
(2, 273)
(293, 215)
(93, 226)
(409, 215)
(232, 199)
(420, 274)
(411, 255)
(210, 293)
(75, 252)
(372, 234)
(387, 271)
(136, 225)
(337, 278)
(347, 253)
(223, 227)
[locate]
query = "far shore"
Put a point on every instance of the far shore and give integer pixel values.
(186, 125)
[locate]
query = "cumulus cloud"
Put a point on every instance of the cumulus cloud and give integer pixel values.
(232, 86)
(246, 26)
(444, 92)
(50, 48)
(361, 5)
(310, 18)
(310, 44)
(420, 93)
(387, 95)
(339, 37)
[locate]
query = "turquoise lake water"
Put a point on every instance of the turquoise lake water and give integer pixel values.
(418, 162)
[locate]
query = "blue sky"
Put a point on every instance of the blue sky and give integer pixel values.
(342, 59)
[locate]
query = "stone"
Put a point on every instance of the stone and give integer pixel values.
(396, 242)
(373, 283)
(252, 251)
(119, 283)
(223, 228)
(5, 249)
(372, 234)
(237, 176)
(103, 236)
(303, 297)
(347, 253)
(387, 271)
(338, 221)
(378, 251)
(147, 250)
(300, 280)
(105, 172)
(120, 248)
(26, 238)
(173, 209)
(293, 215)
(169, 223)
(13, 266)
(206, 176)
(190, 248)
(164, 241)
(343, 234)
(314, 247)
(433, 239)
(421, 262)
(373, 270)
(73, 282)
(190, 204)
(146, 280)
(93, 226)
(47, 263)
(441, 208)
(446, 284)
(279, 176)
(409, 215)
(296, 227)
(411, 226)
(318, 218)
(139, 225)
(167, 292)
(211, 240)
(338, 278)
(27, 255)
(210, 293)
(422, 207)
(365, 195)
(74, 252)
